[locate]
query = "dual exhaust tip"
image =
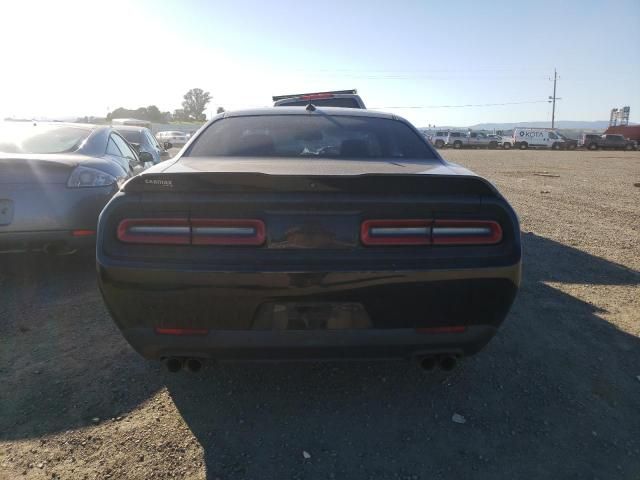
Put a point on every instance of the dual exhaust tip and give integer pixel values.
(175, 364)
(445, 362)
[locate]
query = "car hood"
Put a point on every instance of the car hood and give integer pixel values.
(309, 166)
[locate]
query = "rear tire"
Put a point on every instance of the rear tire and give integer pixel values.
(628, 148)
(592, 146)
(493, 145)
(572, 146)
(555, 146)
(524, 145)
(457, 144)
(506, 146)
(439, 144)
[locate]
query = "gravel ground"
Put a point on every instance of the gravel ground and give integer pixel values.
(554, 395)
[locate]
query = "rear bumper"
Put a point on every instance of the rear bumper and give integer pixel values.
(309, 345)
(44, 214)
(226, 306)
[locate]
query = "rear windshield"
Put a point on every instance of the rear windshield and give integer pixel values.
(310, 136)
(29, 138)
(345, 102)
(131, 135)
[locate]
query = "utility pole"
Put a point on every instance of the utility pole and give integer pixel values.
(553, 99)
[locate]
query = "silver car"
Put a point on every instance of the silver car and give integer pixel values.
(55, 178)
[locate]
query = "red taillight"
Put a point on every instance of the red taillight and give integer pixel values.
(430, 232)
(198, 231)
(227, 232)
(316, 96)
(167, 231)
(447, 329)
(466, 232)
(396, 232)
(181, 331)
(83, 233)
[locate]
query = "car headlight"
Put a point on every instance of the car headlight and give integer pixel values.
(90, 177)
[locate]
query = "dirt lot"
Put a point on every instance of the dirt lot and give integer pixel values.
(555, 395)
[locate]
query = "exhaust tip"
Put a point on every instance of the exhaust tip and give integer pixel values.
(193, 365)
(427, 363)
(448, 362)
(173, 364)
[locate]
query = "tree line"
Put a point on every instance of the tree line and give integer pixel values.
(194, 104)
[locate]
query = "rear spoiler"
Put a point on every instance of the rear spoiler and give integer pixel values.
(333, 92)
(245, 182)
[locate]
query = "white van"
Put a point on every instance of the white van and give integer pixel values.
(524, 138)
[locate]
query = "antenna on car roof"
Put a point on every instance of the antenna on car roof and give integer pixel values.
(311, 107)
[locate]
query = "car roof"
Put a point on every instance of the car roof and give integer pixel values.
(333, 111)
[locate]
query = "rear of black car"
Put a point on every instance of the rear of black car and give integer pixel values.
(354, 259)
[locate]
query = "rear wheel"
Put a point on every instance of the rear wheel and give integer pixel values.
(592, 146)
(457, 144)
(506, 146)
(572, 146)
(555, 146)
(524, 145)
(628, 147)
(493, 144)
(439, 144)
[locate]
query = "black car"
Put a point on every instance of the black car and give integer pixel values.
(55, 178)
(143, 141)
(303, 233)
(607, 142)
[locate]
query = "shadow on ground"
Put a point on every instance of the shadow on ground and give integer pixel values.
(62, 360)
(553, 395)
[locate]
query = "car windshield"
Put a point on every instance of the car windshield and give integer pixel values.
(310, 136)
(30, 138)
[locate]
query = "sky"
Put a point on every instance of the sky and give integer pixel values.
(434, 63)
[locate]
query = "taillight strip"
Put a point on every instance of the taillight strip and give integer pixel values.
(466, 232)
(178, 231)
(396, 232)
(427, 231)
(227, 232)
(170, 231)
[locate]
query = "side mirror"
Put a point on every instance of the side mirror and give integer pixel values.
(168, 145)
(145, 157)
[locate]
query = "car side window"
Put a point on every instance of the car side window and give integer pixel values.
(112, 148)
(553, 136)
(124, 148)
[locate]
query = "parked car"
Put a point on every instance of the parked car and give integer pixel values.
(336, 98)
(308, 233)
(142, 140)
(439, 138)
(470, 140)
(607, 141)
(54, 181)
(172, 138)
(524, 138)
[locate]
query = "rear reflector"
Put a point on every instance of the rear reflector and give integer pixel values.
(466, 232)
(430, 232)
(227, 232)
(396, 232)
(179, 231)
(182, 331)
(83, 233)
(449, 329)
